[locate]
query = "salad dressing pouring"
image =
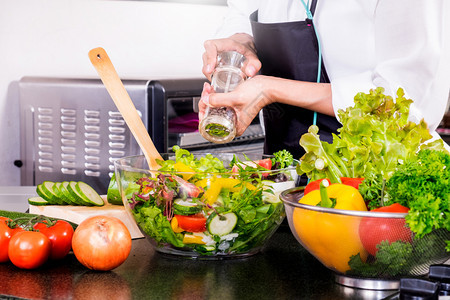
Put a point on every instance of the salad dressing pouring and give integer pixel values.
(219, 124)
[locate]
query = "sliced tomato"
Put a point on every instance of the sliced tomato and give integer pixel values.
(192, 223)
(265, 163)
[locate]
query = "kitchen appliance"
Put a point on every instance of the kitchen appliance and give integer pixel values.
(72, 131)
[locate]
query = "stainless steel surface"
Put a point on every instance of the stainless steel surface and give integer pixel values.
(71, 130)
(368, 284)
(15, 198)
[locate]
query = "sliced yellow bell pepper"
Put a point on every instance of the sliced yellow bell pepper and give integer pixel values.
(195, 238)
(174, 225)
(331, 238)
(187, 172)
(214, 185)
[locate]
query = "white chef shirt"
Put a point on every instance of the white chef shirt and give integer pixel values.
(371, 43)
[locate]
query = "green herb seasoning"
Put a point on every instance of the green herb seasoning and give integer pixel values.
(215, 129)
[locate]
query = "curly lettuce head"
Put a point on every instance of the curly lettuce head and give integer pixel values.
(374, 138)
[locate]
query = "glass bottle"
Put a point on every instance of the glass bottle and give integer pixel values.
(219, 124)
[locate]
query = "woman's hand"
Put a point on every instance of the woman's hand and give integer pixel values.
(240, 42)
(247, 100)
(253, 94)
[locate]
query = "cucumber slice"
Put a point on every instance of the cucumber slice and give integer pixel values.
(67, 196)
(57, 191)
(89, 194)
(185, 207)
(79, 200)
(221, 224)
(43, 194)
(47, 187)
(37, 201)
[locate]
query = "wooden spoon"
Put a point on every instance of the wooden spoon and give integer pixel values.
(119, 94)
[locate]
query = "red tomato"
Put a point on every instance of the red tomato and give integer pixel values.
(265, 163)
(60, 234)
(29, 249)
(192, 223)
(372, 231)
(101, 243)
(314, 185)
(5, 236)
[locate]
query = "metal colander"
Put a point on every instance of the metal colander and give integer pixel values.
(363, 248)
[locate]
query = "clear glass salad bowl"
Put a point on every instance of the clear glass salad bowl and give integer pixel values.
(369, 250)
(228, 211)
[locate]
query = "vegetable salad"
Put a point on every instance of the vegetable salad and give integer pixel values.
(204, 207)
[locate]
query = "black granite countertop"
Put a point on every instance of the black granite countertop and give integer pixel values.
(282, 270)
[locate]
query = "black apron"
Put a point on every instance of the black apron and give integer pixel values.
(290, 50)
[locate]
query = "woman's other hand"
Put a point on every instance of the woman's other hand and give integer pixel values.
(240, 42)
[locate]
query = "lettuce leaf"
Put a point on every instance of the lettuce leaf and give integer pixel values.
(375, 138)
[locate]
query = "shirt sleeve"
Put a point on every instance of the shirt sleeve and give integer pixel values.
(236, 19)
(411, 52)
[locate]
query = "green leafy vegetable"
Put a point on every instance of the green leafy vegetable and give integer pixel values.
(400, 258)
(284, 158)
(205, 164)
(423, 185)
(375, 137)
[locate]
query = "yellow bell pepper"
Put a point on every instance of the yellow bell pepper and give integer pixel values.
(331, 238)
(214, 185)
(187, 172)
(174, 225)
(196, 238)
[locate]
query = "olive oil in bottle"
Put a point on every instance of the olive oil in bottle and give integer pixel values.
(219, 124)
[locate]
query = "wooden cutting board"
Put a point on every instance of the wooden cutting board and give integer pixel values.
(77, 214)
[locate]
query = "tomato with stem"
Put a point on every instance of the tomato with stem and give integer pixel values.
(29, 249)
(60, 234)
(5, 236)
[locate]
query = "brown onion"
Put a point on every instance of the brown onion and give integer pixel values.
(101, 243)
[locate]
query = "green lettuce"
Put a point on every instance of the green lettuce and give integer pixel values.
(374, 139)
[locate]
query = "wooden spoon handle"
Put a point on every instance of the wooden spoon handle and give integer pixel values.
(119, 94)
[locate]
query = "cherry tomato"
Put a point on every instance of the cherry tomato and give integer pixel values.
(101, 243)
(372, 231)
(192, 223)
(29, 249)
(5, 236)
(60, 234)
